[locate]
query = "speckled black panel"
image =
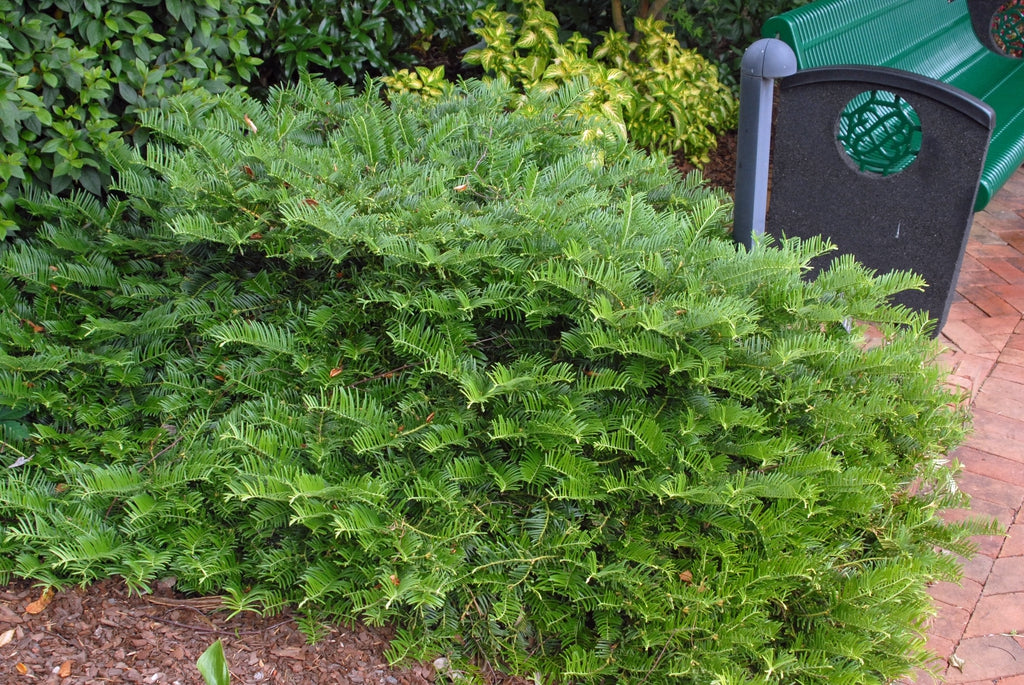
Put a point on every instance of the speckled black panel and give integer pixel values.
(917, 219)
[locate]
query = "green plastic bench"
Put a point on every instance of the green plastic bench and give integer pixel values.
(973, 45)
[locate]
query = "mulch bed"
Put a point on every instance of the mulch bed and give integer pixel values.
(720, 172)
(100, 634)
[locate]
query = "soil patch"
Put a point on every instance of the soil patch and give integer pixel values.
(721, 170)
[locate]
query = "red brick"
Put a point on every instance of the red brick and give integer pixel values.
(1008, 389)
(983, 231)
(987, 658)
(998, 329)
(970, 264)
(1017, 262)
(997, 435)
(941, 648)
(988, 301)
(998, 251)
(1002, 397)
(999, 224)
(1010, 372)
(992, 490)
(1016, 342)
(963, 595)
(949, 357)
(949, 622)
(982, 509)
(973, 369)
(964, 389)
(1012, 680)
(963, 335)
(1015, 238)
(1004, 206)
(988, 545)
(1013, 546)
(1007, 577)
(985, 464)
(999, 614)
(1005, 270)
(1013, 352)
(964, 310)
(982, 278)
(977, 568)
(999, 445)
(950, 347)
(1011, 293)
(1005, 202)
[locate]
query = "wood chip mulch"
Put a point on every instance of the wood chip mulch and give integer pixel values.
(720, 171)
(100, 634)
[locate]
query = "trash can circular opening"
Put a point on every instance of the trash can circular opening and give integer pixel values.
(1008, 28)
(880, 132)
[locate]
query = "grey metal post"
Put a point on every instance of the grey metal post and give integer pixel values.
(763, 62)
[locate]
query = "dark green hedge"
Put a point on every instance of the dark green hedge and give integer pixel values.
(347, 40)
(75, 74)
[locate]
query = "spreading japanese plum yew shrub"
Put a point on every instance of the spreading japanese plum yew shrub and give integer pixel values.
(447, 365)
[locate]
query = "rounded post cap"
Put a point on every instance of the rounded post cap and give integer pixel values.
(768, 58)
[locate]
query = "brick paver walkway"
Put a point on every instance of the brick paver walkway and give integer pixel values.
(979, 627)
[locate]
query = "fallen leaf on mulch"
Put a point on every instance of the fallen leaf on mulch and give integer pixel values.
(21, 668)
(65, 669)
(38, 606)
(6, 637)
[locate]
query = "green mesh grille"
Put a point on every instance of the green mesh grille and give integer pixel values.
(880, 132)
(1008, 28)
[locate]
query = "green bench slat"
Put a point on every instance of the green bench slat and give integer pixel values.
(826, 33)
(1006, 150)
(927, 37)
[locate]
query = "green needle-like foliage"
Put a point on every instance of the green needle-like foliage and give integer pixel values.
(448, 365)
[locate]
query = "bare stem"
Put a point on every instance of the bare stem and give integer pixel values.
(618, 21)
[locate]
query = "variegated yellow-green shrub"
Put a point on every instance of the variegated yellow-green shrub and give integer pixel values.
(662, 96)
(424, 81)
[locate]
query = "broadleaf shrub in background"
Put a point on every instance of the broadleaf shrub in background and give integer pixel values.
(425, 82)
(719, 29)
(666, 98)
(74, 75)
(348, 40)
(445, 363)
(722, 30)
